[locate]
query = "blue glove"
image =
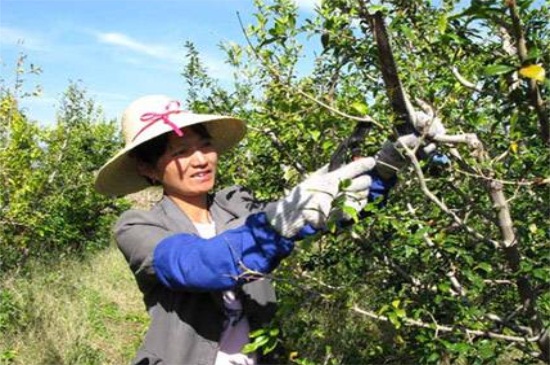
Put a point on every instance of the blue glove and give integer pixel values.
(187, 262)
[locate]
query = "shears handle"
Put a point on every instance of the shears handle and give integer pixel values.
(350, 147)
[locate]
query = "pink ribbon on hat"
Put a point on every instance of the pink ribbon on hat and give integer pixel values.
(152, 118)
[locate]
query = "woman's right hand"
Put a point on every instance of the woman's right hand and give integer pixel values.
(311, 202)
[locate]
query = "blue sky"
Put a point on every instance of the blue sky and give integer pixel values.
(118, 49)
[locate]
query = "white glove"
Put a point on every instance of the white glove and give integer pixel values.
(390, 159)
(355, 201)
(311, 201)
(426, 122)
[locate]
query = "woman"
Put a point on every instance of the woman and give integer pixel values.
(199, 257)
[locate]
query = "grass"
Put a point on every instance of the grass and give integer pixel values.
(78, 312)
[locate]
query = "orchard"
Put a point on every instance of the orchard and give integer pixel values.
(453, 269)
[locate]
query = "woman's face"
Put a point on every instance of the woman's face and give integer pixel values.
(188, 167)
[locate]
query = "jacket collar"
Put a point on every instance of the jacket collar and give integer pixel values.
(178, 221)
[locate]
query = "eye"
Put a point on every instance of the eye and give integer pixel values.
(180, 152)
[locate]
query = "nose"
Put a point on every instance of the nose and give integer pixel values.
(199, 157)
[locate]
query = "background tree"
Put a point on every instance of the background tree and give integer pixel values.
(438, 275)
(48, 205)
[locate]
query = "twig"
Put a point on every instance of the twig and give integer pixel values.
(366, 119)
(442, 328)
(439, 203)
(415, 282)
(464, 82)
(319, 281)
(451, 274)
(498, 282)
(504, 322)
(535, 182)
(281, 148)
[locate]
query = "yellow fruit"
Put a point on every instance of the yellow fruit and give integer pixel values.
(535, 72)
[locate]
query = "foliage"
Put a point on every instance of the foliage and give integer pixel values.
(411, 283)
(48, 205)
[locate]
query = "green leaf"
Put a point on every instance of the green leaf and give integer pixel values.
(407, 31)
(442, 24)
(269, 348)
(344, 184)
(261, 341)
(351, 213)
(495, 70)
(409, 251)
(257, 333)
(534, 53)
(374, 8)
(433, 357)
(400, 313)
(384, 309)
(361, 108)
(315, 134)
(460, 347)
(394, 320)
(485, 267)
(249, 348)
(524, 4)
(542, 274)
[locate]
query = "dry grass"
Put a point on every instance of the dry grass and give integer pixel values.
(145, 198)
(75, 313)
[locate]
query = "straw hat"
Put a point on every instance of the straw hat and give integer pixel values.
(147, 118)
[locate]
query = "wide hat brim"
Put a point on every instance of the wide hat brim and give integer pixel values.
(119, 176)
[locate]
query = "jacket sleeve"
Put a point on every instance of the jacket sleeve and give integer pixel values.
(137, 233)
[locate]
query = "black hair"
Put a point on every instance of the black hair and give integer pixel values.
(150, 152)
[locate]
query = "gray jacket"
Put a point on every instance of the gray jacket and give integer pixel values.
(186, 326)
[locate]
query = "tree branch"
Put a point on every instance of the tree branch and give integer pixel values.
(509, 246)
(442, 328)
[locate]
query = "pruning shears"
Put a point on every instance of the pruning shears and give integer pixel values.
(400, 104)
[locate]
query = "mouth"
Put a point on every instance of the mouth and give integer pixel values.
(202, 175)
